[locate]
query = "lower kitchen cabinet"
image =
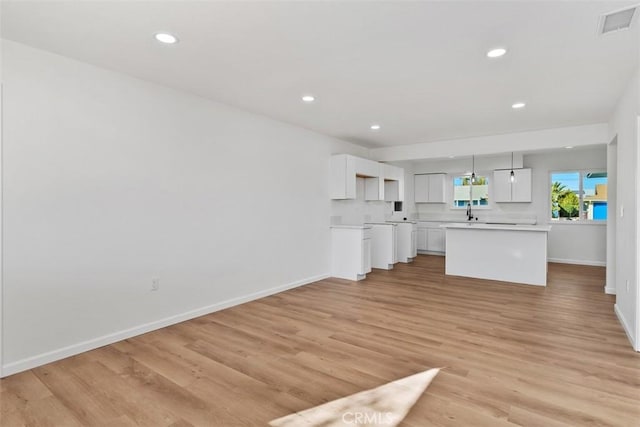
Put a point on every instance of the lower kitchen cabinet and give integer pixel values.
(435, 240)
(384, 252)
(365, 263)
(407, 240)
(431, 237)
(422, 239)
(350, 251)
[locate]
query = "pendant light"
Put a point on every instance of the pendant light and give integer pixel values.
(512, 175)
(473, 169)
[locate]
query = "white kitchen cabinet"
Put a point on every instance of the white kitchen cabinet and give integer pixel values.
(505, 191)
(436, 188)
(521, 189)
(431, 237)
(391, 191)
(365, 262)
(435, 240)
(383, 245)
(372, 189)
(345, 168)
(421, 188)
(430, 188)
(414, 242)
(422, 239)
(350, 251)
(393, 183)
(407, 240)
(342, 183)
(501, 186)
(366, 167)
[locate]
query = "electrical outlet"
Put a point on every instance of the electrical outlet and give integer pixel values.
(627, 286)
(621, 211)
(155, 284)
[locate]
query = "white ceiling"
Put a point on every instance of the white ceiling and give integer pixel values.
(417, 68)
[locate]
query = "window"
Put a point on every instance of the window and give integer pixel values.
(579, 195)
(463, 191)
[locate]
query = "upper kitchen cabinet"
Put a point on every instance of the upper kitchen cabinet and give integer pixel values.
(366, 168)
(380, 179)
(392, 191)
(393, 182)
(429, 188)
(371, 172)
(344, 170)
(342, 184)
(518, 191)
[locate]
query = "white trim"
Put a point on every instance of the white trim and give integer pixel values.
(572, 223)
(578, 262)
(61, 353)
(609, 290)
(1, 221)
(637, 305)
(625, 326)
(422, 252)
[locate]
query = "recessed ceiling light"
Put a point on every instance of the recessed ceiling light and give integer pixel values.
(452, 157)
(166, 38)
(308, 98)
(497, 52)
(375, 127)
(518, 105)
(568, 147)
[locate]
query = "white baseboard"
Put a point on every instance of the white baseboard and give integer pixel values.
(421, 252)
(625, 326)
(578, 262)
(62, 353)
(609, 290)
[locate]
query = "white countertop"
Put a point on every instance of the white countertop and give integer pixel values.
(402, 222)
(485, 218)
(450, 221)
(388, 223)
(481, 226)
(352, 227)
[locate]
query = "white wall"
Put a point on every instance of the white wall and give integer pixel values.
(110, 181)
(568, 242)
(624, 127)
(574, 243)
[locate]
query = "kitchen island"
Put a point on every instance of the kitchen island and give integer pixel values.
(510, 253)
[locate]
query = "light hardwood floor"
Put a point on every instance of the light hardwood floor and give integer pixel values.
(512, 355)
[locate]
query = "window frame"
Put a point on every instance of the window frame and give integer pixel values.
(580, 220)
(489, 179)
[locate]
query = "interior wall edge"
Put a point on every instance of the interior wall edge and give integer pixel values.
(625, 326)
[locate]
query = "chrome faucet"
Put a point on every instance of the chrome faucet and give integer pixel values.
(469, 215)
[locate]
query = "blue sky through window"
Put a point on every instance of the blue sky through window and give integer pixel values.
(571, 180)
(458, 180)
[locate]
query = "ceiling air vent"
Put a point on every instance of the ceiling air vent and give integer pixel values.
(618, 20)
